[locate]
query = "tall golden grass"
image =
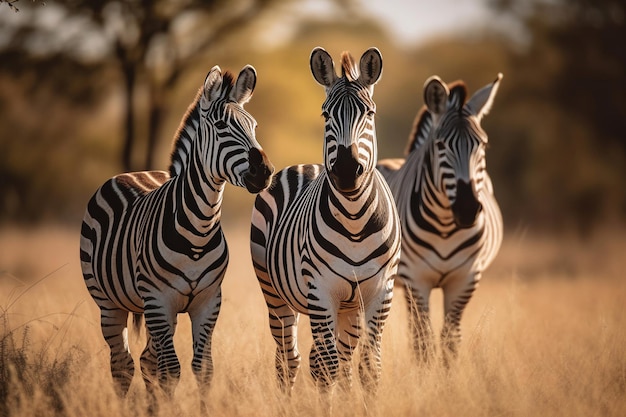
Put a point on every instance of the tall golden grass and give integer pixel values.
(545, 334)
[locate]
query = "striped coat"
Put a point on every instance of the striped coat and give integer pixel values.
(325, 239)
(451, 223)
(151, 242)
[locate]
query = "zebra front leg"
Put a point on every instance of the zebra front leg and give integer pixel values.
(161, 324)
(456, 295)
(114, 325)
(349, 326)
(148, 363)
(149, 372)
(204, 313)
(376, 314)
(324, 356)
(417, 299)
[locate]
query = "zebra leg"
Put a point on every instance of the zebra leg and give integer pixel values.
(149, 372)
(114, 323)
(283, 322)
(348, 334)
(324, 357)
(148, 363)
(203, 319)
(418, 301)
(284, 327)
(456, 295)
(161, 324)
(376, 314)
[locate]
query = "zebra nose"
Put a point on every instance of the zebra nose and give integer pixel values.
(259, 163)
(466, 206)
(259, 172)
(347, 169)
(347, 163)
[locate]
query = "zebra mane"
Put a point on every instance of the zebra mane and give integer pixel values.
(348, 67)
(424, 120)
(421, 128)
(188, 128)
(458, 94)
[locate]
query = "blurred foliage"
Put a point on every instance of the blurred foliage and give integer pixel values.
(46, 134)
(557, 149)
(153, 43)
(12, 4)
(567, 110)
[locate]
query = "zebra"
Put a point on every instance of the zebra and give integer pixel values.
(325, 238)
(451, 222)
(151, 242)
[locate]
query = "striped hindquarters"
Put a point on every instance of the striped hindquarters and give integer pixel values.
(105, 244)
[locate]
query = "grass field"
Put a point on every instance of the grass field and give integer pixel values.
(545, 334)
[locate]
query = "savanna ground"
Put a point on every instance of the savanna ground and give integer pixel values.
(545, 334)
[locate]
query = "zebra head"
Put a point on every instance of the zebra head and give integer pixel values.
(350, 137)
(231, 151)
(459, 143)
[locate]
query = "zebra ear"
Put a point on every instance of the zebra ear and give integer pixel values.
(213, 83)
(371, 67)
(323, 67)
(244, 87)
(482, 100)
(436, 95)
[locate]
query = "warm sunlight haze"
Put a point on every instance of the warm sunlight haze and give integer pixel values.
(90, 90)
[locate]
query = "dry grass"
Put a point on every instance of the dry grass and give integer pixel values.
(545, 334)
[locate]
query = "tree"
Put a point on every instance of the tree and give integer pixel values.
(151, 42)
(155, 41)
(12, 4)
(69, 68)
(588, 35)
(571, 69)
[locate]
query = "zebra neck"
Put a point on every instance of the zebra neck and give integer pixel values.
(198, 202)
(428, 200)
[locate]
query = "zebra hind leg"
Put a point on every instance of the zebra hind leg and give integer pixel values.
(283, 320)
(114, 323)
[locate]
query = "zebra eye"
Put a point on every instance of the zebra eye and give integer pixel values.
(325, 115)
(371, 113)
(440, 145)
(220, 124)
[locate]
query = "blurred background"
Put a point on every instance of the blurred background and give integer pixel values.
(91, 88)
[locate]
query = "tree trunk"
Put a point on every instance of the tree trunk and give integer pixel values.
(129, 119)
(155, 121)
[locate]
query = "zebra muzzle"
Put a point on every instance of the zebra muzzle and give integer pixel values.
(259, 173)
(466, 206)
(346, 172)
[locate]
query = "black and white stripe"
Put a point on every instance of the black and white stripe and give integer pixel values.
(451, 223)
(151, 242)
(325, 239)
